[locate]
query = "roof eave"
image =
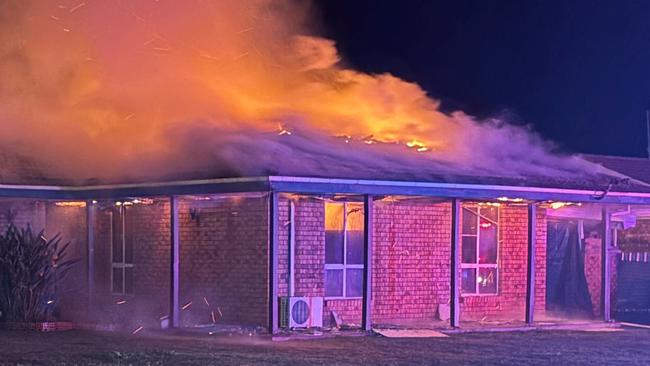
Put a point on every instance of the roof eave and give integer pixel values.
(321, 186)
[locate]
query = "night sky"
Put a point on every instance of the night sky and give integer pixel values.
(577, 71)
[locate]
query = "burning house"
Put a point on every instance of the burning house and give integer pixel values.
(220, 167)
(353, 252)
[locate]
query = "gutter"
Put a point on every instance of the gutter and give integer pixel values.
(307, 185)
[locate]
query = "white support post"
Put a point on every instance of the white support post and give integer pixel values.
(174, 304)
(605, 292)
(366, 320)
(454, 306)
(530, 278)
(273, 263)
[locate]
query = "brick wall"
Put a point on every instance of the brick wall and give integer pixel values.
(70, 223)
(411, 262)
(151, 267)
(22, 212)
(223, 263)
(636, 239)
(510, 302)
(224, 260)
(593, 273)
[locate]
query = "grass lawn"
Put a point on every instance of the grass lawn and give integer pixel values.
(629, 347)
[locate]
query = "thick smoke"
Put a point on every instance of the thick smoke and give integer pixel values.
(153, 89)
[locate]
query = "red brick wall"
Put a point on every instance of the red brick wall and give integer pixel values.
(593, 273)
(224, 260)
(636, 239)
(510, 302)
(411, 262)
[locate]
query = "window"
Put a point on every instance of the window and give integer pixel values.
(343, 250)
(122, 250)
(480, 250)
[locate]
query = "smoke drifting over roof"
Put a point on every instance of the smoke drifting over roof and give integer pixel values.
(115, 90)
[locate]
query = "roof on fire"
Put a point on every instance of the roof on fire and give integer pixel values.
(623, 180)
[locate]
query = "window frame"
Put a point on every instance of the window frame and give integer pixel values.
(122, 265)
(478, 266)
(342, 266)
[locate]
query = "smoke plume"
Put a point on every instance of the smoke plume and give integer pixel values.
(152, 89)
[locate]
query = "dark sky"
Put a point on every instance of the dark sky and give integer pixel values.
(577, 71)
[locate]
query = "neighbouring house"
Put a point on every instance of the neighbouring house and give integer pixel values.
(446, 251)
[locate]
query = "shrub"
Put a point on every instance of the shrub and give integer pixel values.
(30, 266)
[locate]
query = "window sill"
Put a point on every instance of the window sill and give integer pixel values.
(342, 298)
(479, 295)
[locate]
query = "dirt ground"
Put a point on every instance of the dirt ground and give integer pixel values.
(628, 347)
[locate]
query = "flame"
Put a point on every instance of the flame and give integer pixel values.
(101, 88)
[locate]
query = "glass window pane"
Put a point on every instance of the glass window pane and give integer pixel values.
(490, 212)
(354, 282)
(334, 216)
(128, 280)
(487, 281)
(333, 247)
(355, 217)
(117, 236)
(334, 282)
(468, 280)
(469, 221)
(354, 247)
(128, 235)
(488, 242)
(469, 249)
(334, 233)
(117, 281)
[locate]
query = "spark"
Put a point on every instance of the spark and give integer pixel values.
(137, 330)
(129, 116)
(50, 302)
(66, 30)
(220, 314)
(214, 320)
(240, 56)
(206, 301)
(245, 30)
(76, 7)
(283, 131)
(120, 302)
(208, 56)
(187, 305)
(55, 17)
(162, 49)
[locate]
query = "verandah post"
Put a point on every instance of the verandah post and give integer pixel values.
(90, 252)
(174, 305)
(605, 286)
(366, 320)
(530, 273)
(454, 303)
(273, 263)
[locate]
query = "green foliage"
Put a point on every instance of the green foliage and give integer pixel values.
(30, 267)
